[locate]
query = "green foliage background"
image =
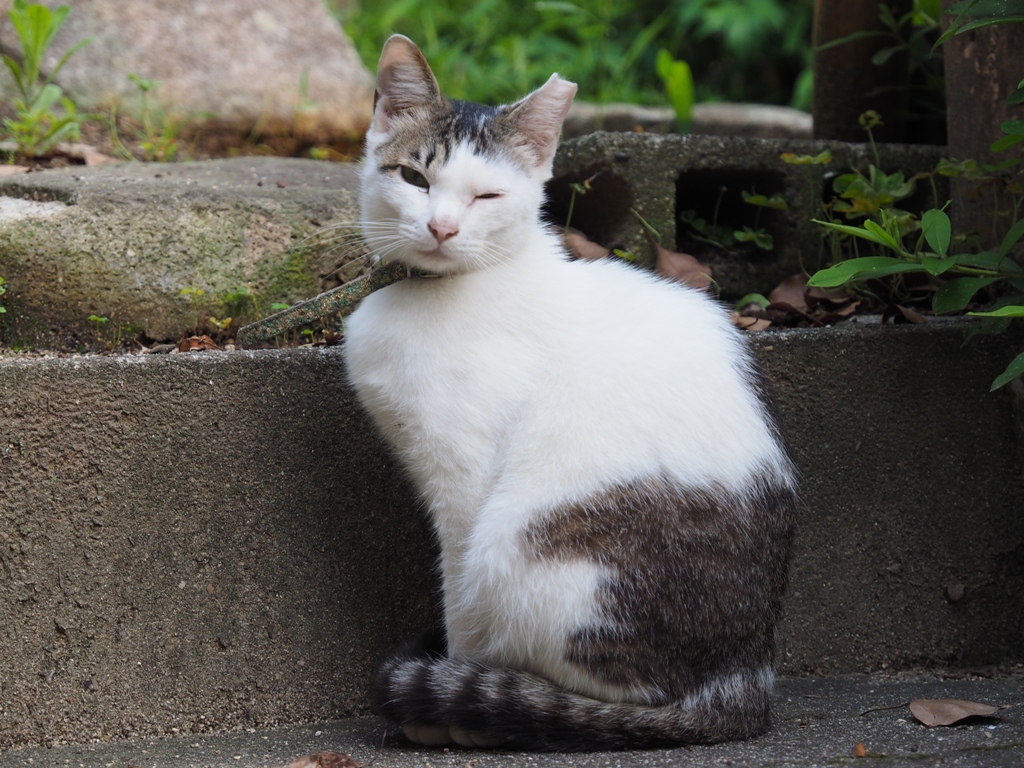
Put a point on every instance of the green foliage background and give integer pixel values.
(494, 51)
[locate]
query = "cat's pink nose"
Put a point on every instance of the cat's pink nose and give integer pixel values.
(442, 230)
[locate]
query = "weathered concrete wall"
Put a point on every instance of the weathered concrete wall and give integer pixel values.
(910, 548)
(219, 540)
(195, 542)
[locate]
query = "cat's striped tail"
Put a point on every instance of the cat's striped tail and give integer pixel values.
(438, 700)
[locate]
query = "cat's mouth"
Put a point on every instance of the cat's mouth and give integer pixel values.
(435, 256)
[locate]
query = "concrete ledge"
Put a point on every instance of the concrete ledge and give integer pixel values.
(219, 541)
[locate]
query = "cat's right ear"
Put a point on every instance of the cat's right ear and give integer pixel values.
(404, 81)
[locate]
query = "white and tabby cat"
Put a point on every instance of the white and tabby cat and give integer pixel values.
(606, 479)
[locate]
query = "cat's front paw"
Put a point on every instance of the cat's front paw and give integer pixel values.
(442, 735)
(428, 735)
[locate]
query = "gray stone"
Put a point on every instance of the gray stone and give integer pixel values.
(219, 541)
(764, 121)
(586, 117)
(227, 65)
(123, 242)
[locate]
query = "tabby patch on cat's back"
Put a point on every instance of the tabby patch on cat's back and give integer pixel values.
(594, 446)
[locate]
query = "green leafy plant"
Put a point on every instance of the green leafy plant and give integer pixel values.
(678, 80)
(736, 35)
(220, 324)
(757, 234)
(963, 274)
(862, 195)
(926, 246)
(3, 290)
(36, 128)
(237, 303)
(906, 245)
(492, 51)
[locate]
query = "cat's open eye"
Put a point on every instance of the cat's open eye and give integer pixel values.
(414, 177)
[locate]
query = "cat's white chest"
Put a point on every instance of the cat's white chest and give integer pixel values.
(441, 373)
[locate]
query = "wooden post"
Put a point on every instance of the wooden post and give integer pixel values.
(846, 81)
(983, 67)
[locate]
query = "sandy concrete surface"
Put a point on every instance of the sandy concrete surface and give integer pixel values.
(818, 722)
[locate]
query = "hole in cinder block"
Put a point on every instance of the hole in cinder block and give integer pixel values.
(601, 213)
(710, 208)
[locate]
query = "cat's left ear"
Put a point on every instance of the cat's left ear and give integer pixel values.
(404, 81)
(538, 118)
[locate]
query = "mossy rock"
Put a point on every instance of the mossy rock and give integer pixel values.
(163, 247)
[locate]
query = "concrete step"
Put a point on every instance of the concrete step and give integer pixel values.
(817, 722)
(124, 241)
(218, 541)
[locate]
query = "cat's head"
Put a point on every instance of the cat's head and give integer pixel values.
(450, 186)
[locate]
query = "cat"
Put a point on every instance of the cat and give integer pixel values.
(594, 445)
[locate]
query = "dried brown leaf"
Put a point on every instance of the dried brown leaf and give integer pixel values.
(682, 267)
(159, 349)
(197, 344)
(815, 295)
(325, 760)
(901, 314)
(911, 315)
(859, 750)
(581, 247)
(940, 712)
(748, 323)
(87, 153)
(848, 310)
(676, 265)
(791, 292)
(785, 306)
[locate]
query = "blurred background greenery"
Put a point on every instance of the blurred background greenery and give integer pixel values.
(493, 51)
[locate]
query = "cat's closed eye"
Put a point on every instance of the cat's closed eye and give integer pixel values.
(488, 196)
(414, 177)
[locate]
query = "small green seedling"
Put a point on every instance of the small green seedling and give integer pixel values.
(114, 341)
(193, 295)
(158, 138)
